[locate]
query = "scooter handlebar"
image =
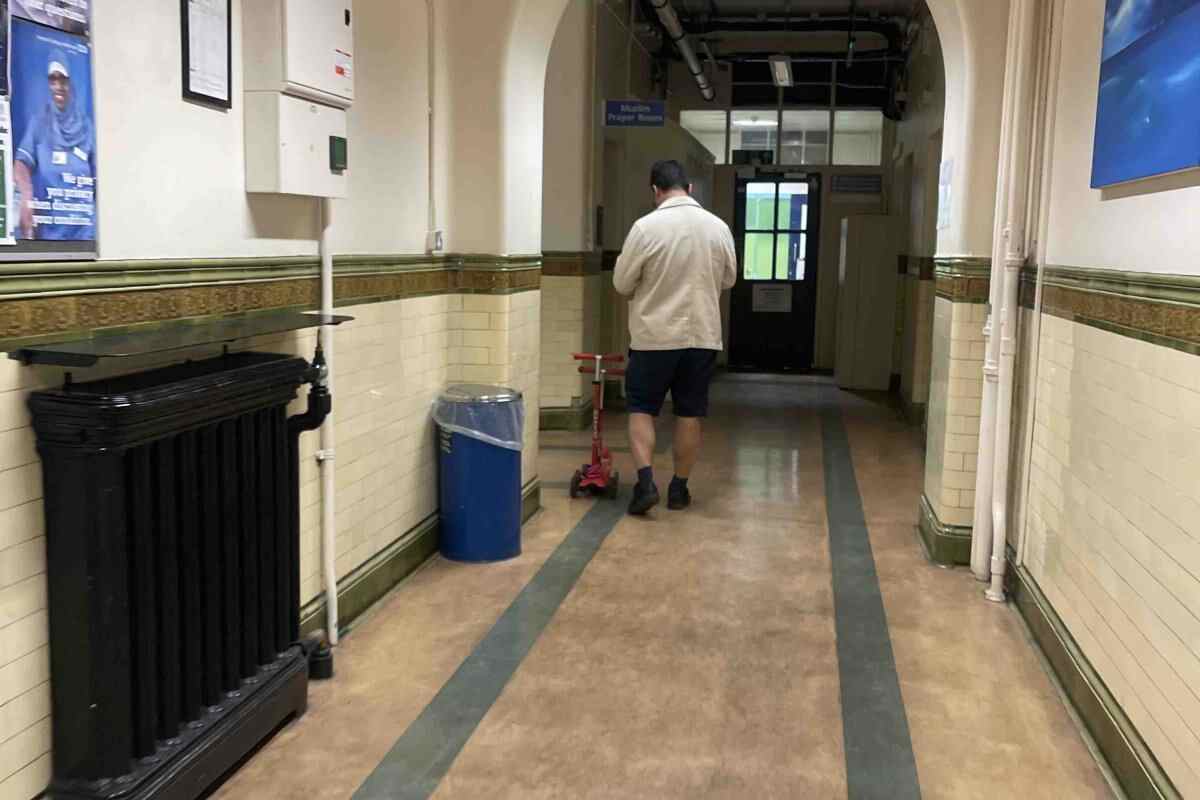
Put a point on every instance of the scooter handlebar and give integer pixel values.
(611, 358)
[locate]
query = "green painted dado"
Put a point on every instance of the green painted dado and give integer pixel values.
(48, 301)
(367, 584)
(962, 279)
(1132, 762)
(949, 545)
(1159, 309)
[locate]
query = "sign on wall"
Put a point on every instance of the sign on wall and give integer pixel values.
(207, 51)
(635, 114)
(50, 145)
(945, 184)
(772, 298)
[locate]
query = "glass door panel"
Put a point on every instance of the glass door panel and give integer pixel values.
(758, 257)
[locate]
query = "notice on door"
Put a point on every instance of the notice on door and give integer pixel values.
(772, 298)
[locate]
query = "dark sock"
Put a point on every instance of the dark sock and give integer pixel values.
(646, 477)
(679, 483)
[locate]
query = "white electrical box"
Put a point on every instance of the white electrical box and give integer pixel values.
(292, 146)
(866, 332)
(300, 47)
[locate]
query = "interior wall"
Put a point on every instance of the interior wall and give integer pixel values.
(1146, 227)
(1110, 508)
(567, 152)
(918, 147)
(177, 191)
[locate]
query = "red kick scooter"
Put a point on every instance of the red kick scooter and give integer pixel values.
(598, 478)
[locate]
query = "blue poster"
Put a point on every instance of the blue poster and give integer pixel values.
(54, 135)
(1148, 110)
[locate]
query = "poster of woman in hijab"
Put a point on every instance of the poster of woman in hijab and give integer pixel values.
(54, 135)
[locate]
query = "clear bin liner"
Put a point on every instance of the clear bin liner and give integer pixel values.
(491, 414)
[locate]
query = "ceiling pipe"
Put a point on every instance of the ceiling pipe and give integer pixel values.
(891, 29)
(670, 21)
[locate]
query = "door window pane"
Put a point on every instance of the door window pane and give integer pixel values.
(758, 257)
(858, 138)
(760, 206)
(789, 256)
(793, 207)
(709, 128)
(805, 137)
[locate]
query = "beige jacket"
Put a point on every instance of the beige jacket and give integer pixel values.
(675, 263)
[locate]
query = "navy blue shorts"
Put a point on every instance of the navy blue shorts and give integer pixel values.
(686, 374)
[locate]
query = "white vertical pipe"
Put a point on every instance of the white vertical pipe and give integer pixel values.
(1018, 110)
(981, 524)
(326, 456)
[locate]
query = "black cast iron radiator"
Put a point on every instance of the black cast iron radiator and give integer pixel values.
(172, 516)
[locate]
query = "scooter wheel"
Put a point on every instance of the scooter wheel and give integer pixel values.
(576, 479)
(614, 486)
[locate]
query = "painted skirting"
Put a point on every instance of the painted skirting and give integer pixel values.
(1159, 309)
(914, 413)
(571, 264)
(569, 418)
(368, 583)
(83, 297)
(945, 544)
(1130, 759)
(963, 279)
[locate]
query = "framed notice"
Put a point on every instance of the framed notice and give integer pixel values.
(207, 51)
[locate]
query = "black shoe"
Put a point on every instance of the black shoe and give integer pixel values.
(678, 498)
(643, 499)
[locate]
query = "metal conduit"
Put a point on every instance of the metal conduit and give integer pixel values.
(670, 21)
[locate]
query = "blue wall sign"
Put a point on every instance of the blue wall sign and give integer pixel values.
(634, 114)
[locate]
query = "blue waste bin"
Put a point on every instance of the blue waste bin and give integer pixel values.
(480, 432)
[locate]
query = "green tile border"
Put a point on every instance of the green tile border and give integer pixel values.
(1131, 760)
(570, 418)
(948, 545)
(242, 288)
(962, 279)
(571, 264)
(370, 582)
(1157, 309)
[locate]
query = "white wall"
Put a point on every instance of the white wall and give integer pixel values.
(1109, 519)
(567, 144)
(1151, 232)
(173, 174)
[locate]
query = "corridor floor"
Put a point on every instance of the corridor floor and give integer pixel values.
(784, 638)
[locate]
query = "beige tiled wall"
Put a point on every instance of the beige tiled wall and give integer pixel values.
(570, 324)
(1112, 529)
(955, 392)
(391, 363)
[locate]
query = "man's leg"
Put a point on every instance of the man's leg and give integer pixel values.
(687, 445)
(690, 393)
(642, 439)
(646, 382)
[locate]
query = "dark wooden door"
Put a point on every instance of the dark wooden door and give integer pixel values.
(774, 304)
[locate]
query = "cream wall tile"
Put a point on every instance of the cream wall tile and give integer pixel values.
(1112, 520)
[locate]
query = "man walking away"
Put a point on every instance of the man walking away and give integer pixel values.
(675, 263)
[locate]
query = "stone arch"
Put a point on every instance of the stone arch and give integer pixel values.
(973, 40)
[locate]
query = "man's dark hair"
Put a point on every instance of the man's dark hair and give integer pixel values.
(668, 175)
